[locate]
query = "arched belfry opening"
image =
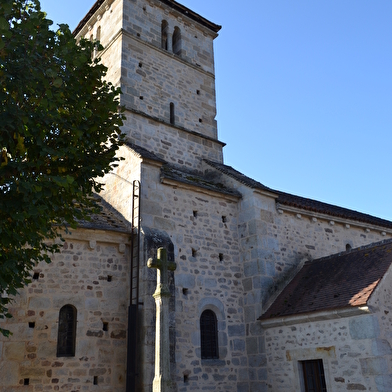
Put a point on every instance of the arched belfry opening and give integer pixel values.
(177, 41)
(164, 35)
(99, 33)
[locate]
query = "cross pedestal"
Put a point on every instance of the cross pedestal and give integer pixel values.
(162, 380)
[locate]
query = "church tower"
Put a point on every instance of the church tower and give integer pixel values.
(241, 319)
(161, 55)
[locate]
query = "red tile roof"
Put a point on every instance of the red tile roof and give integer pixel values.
(340, 281)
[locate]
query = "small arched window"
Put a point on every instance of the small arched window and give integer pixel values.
(99, 33)
(177, 41)
(172, 114)
(164, 28)
(209, 335)
(66, 337)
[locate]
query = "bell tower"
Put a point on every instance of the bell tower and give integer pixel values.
(161, 55)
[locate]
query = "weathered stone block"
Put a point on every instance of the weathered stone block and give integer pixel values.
(381, 347)
(236, 330)
(14, 351)
(258, 360)
(9, 372)
(243, 387)
(374, 366)
(39, 303)
(252, 345)
(364, 327)
(384, 383)
(185, 280)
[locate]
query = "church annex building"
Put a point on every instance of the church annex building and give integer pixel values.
(271, 292)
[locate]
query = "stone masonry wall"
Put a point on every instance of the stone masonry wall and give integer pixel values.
(152, 78)
(273, 242)
(346, 346)
(106, 26)
(105, 23)
(118, 189)
(273, 245)
(143, 19)
(379, 364)
(170, 143)
(77, 276)
(356, 351)
(203, 229)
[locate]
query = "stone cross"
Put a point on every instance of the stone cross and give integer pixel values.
(162, 380)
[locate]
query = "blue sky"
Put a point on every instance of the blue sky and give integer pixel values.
(304, 93)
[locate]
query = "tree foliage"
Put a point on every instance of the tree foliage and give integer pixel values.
(59, 131)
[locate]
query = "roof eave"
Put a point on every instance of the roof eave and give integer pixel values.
(314, 316)
(171, 3)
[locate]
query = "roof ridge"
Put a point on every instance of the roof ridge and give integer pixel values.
(142, 152)
(226, 169)
(301, 201)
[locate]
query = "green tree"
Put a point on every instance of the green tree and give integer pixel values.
(59, 132)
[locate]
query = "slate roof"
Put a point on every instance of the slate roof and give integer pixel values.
(335, 282)
(143, 152)
(238, 176)
(329, 209)
(171, 3)
(302, 202)
(191, 178)
(108, 219)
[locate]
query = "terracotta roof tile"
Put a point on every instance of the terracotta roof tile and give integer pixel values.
(340, 281)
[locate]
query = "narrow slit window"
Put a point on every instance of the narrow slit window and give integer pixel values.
(313, 376)
(66, 337)
(172, 115)
(209, 335)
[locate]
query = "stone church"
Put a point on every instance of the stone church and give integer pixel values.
(272, 291)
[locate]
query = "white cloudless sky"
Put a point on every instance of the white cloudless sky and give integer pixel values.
(304, 93)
